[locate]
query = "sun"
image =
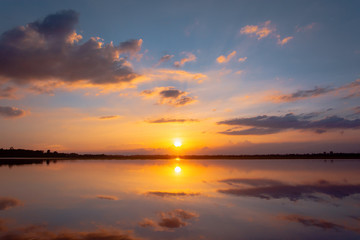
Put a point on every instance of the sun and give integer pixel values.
(177, 169)
(177, 143)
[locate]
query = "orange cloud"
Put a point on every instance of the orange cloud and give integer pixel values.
(261, 31)
(284, 40)
(189, 58)
(243, 59)
(223, 59)
(264, 30)
(170, 74)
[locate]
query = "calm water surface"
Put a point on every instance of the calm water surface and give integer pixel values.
(202, 199)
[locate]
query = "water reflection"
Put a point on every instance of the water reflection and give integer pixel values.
(214, 199)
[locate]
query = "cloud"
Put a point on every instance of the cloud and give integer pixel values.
(260, 31)
(171, 74)
(172, 120)
(164, 58)
(42, 233)
(172, 194)
(272, 124)
(284, 40)
(306, 27)
(171, 93)
(49, 49)
(255, 182)
(107, 197)
(295, 192)
(176, 218)
(264, 30)
(243, 59)
(319, 223)
(190, 57)
(7, 92)
(302, 94)
(11, 112)
(6, 203)
(223, 59)
(251, 131)
(146, 222)
(169, 96)
(108, 117)
(350, 90)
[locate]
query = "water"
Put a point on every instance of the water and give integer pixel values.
(201, 199)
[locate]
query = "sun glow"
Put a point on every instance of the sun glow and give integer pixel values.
(177, 143)
(177, 169)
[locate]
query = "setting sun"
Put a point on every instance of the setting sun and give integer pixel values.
(177, 143)
(177, 169)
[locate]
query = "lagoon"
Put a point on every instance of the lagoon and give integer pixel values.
(181, 199)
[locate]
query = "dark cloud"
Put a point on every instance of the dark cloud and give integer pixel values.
(49, 49)
(170, 96)
(11, 112)
(171, 93)
(272, 124)
(296, 192)
(172, 120)
(251, 131)
(172, 194)
(255, 182)
(172, 222)
(108, 117)
(301, 94)
(42, 233)
(107, 197)
(184, 101)
(164, 58)
(319, 223)
(319, 91)
(6, 203)
(176, 218)
(184, 214)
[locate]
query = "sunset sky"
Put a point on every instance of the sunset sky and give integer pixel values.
(222, 77)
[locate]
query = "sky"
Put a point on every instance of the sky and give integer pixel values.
(222, 77)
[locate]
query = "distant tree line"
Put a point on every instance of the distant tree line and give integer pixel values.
(23, 153)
